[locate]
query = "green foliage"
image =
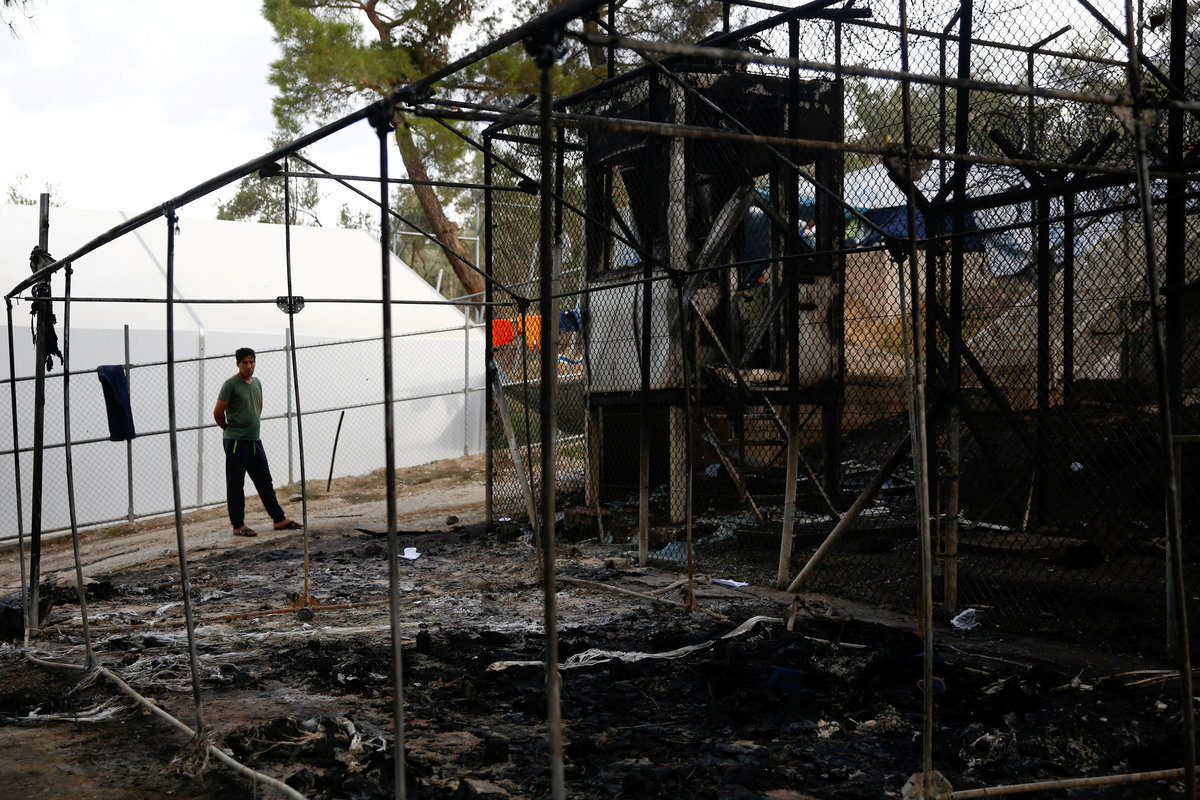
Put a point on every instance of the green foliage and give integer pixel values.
(875, 111)
(424, 256)
(261, 199)
(19, 194)
(338, 56)
(24, 8)
(510, 73)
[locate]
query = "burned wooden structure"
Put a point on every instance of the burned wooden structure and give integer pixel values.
(668, 323)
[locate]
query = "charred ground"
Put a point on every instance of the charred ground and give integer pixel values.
(830, 708)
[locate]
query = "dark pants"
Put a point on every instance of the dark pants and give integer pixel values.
(242, 457)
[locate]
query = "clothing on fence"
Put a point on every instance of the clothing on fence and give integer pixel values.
(116, 401)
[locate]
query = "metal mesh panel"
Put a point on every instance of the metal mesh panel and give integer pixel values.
(438, 410)
(1024, 299)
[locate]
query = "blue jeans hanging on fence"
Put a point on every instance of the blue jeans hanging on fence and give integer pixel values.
(116, 402)
(242, 458)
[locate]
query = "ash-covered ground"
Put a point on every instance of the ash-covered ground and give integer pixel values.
(726, 700)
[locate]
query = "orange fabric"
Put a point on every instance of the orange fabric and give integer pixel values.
(531, 326)
(502, 332)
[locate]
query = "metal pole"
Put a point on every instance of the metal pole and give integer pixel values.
(80, 587)
(201, 417)
(16, 452)
(381, 120)
(294, 372)
(544, 50)
(1045, 265)
(1045, 287)
(791, 288)
(646, 288)
(962, 121)
(129, 442)
(916, 412)
(39, 433)
(193, 656)
(1166, 402)
(467, 378)
(1175, 271)
(488, 395)
(287, 390)
(1068, 301)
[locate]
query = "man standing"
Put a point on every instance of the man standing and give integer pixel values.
(238, 412)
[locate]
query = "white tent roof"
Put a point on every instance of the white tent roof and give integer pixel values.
(220, 260)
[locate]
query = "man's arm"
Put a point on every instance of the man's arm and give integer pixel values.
(219, 413)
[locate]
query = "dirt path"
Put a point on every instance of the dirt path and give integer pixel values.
(425, 496)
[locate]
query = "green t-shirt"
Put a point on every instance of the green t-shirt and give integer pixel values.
(244, 412)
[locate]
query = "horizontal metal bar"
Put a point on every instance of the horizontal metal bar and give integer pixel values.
(224, 356)
(401, 181)
(239, 301)
(843, 70)
(267, 418)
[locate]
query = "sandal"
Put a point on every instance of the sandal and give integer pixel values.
(244, 531)
(288, 525)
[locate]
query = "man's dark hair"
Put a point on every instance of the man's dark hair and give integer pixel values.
(243, 353)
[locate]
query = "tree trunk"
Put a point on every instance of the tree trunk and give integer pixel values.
(445, 230)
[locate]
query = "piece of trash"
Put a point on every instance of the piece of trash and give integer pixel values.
(787, 680)
(410, 553)
(827, 728)
(728, 582)
(597, 655)
(672, 551)
(712, 470)
(1076, 466)
(723, 534)
(966, 620)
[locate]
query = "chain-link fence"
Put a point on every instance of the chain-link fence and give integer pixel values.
(333, 400)
(758, 241)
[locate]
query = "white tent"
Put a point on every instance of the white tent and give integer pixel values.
(218, 260)
(227, 278)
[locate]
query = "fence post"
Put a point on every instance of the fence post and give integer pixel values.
(200, 424)
(467, 380)
(128, 442)
(287, 377)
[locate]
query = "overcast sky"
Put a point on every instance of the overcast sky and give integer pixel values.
(123, 104)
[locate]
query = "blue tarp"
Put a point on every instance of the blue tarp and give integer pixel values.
(894, 222)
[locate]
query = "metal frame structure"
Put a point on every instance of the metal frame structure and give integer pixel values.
(543, 123)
